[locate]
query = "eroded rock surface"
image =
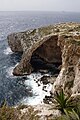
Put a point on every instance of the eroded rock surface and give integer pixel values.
(54, 44)
(41, 42)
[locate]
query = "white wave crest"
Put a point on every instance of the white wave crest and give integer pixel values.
(8, 51)
(10, 71)
(38, 92)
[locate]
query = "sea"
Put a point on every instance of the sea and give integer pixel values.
(26, 89)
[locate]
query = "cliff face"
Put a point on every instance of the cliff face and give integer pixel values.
(41, 41)
(54, 44)
(69, 76)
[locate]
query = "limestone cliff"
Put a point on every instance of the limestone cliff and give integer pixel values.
(41, 41)
(54, 44)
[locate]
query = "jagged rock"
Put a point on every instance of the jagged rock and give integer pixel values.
(45, 80)
(69, 76)
(14, 41)
(54, 44)
(41, 42)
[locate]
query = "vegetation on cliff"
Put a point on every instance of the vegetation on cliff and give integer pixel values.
(58, 44)
(12, 113)
(69, 108)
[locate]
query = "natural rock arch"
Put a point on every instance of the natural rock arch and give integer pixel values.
(47, 49)
(65, 38)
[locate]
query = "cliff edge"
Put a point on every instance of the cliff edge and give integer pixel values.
(59, 44)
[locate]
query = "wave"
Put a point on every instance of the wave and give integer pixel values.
(8, 51)
(9, 71)
(37, 90)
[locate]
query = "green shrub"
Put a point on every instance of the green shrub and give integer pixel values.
(70, 108)
(62, 101)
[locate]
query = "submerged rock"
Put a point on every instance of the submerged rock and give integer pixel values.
(54, 44)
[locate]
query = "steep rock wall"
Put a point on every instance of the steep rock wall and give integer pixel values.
(69, 77)
(53, 43)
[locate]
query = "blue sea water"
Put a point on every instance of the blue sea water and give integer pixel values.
(23, 89)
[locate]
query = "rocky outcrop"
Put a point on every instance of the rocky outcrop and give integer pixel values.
(14, 41)
(41, 42)
(54, 44)
(69, 76)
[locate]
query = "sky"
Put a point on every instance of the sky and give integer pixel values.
(40, 5)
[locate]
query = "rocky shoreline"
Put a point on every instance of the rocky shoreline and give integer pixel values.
(52, 48)
(54, 44)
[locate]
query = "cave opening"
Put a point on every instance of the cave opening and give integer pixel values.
(47, 57)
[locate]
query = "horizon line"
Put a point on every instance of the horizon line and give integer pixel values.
(36, 11)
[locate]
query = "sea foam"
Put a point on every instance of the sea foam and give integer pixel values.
(8, 51)
(38, 92)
